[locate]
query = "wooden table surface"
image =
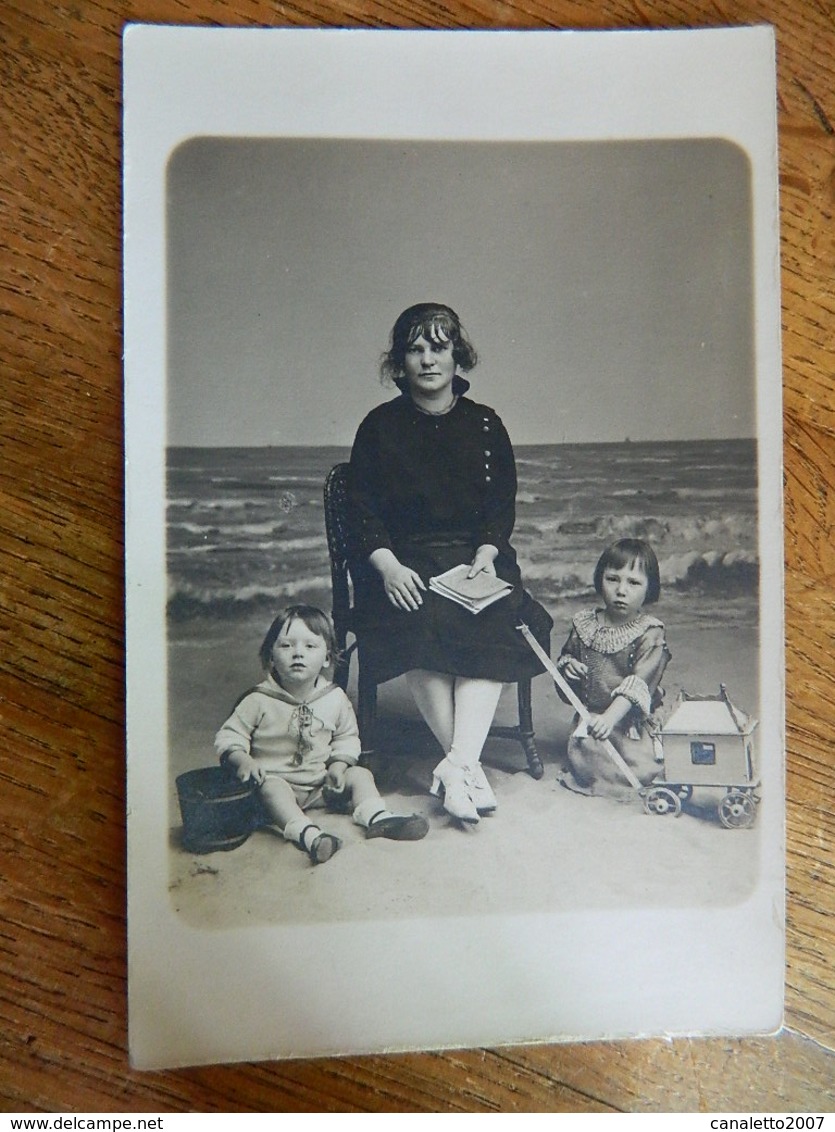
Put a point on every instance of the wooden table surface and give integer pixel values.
(62, 935)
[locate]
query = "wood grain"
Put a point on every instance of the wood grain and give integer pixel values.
(62, 938)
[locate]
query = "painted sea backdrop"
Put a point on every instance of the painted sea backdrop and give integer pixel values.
(246, 536)
(246, 525)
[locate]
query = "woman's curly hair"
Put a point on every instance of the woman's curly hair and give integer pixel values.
(437, 323)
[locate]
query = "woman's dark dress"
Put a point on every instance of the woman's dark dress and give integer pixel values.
(432, 489)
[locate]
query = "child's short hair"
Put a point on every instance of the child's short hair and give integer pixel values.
(314, 618)
(623, 553)
(437, 323)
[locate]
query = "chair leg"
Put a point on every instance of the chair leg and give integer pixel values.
(366, 713)
(341, 672)
(342, 665)
(526, 733)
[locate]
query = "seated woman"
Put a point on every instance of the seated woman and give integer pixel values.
(433, 485)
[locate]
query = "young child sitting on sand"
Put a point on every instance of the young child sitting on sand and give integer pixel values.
(615, 656)
(295, 735)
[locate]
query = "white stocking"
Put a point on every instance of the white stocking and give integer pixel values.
(434, 695)
(458, 709)
(475, 706)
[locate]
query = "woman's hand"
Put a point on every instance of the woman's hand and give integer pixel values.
(484, 561)
(402, 584)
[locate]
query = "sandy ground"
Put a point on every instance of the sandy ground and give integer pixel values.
(544, 850)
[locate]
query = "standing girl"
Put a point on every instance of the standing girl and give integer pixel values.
(432, 486)
(615, 657)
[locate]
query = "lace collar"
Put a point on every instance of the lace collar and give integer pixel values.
(610, 639)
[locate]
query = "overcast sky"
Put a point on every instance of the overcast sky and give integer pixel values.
(606, 286)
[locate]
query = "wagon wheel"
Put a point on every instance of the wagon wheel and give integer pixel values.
(662, 801)
(737, 810)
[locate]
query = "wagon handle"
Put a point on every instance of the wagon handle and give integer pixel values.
(578, 705)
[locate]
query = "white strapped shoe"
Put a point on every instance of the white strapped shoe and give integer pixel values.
(480, 789)
(458, 790)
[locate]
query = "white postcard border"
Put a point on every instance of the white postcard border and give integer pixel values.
(429, 983)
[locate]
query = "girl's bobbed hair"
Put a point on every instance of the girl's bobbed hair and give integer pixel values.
(623, 553)
(437, 323)
(314, 618)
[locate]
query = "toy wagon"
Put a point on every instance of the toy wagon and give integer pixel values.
(707, 742)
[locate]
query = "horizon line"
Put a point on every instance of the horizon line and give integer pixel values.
(523, 444)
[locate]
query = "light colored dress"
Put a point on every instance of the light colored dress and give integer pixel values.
(622, 660)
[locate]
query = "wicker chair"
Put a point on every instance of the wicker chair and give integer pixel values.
(343, 577)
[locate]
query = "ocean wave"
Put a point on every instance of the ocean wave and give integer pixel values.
(724, 533)
(556, 580)
(216, 504)
(558, 476)
(257, 484)
(532, 462)
(231, 545)
(728, 573)
(307, 542)
(315, 481)
(186, 599)
(735, 571)
(186, 552)
(718, 575)
(234, 518)
(238, 530)
(718, 494)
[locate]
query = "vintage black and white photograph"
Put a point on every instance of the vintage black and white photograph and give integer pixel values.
(466, 622)
(591, 424)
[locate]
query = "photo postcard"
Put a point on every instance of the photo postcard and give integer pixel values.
(506, 304)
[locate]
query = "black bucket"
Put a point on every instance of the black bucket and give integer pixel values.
(219, 813)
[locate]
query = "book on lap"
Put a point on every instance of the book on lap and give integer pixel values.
(475, 593)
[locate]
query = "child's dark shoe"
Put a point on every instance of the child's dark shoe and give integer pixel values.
(320, 847)
(323, 847)
(399, 828)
